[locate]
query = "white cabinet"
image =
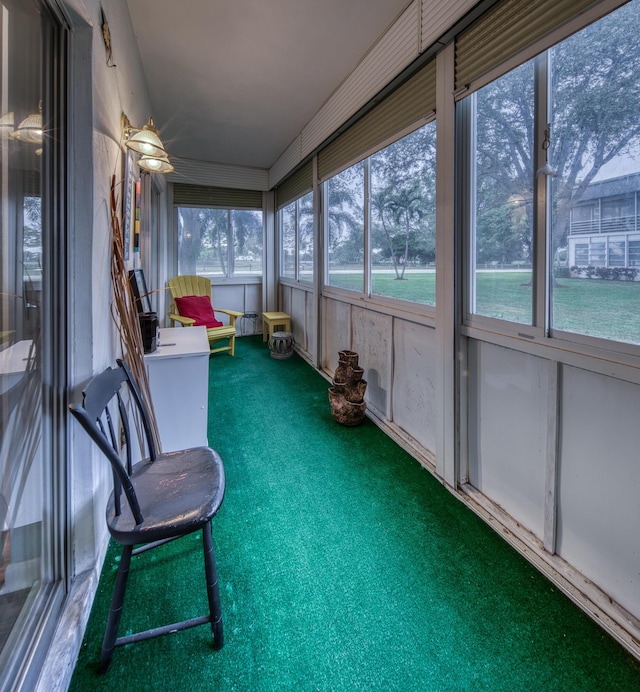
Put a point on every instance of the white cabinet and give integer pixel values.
(179, 381)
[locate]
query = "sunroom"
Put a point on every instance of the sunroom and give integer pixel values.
(419, 182)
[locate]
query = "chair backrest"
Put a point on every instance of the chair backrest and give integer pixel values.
(188, 285)
(105, 417)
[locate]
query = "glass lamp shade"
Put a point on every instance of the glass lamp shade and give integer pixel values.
(6, 124)
(147, 143)
(155, 164)
(30, 129)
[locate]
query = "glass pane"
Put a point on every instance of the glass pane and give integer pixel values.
(345, 223)
(203, 241)
(502, 187)
(595, 150)
(247, 242)
(403, 218)
(25, 514)
(305, 238)
(288, 241)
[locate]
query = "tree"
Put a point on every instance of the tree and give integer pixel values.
(403, 199)
(595, 87)
(401, 211)
(345, 207)
(246, 226)
(596, 101)
(201, 232)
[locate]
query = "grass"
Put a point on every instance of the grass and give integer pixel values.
(605, 309)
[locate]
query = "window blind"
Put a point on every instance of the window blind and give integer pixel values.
(507, 28)
(225, 197)
(297, 184)
(409, 103)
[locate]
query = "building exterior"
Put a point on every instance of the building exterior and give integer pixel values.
(604, 230)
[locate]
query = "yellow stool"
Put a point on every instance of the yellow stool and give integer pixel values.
(275, 322)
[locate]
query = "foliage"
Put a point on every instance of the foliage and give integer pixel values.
(403, 200)
(595, 99)
(605, 273)
(345, 193)
(402, 204)
(205, 234)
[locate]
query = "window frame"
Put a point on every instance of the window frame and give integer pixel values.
(541, 337)
(30, 644)
(297, 275)
(230, 277)
(395, 305)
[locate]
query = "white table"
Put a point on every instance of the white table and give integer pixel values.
(179, 381)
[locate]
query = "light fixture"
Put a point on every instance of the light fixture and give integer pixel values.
(155, 164)
(146, 142)
(30, 129)
(7, 124)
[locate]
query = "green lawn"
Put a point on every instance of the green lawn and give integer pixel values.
(607, 309)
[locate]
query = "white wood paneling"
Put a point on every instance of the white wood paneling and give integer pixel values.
(373, 340)
(252, 303)
(299, 317)
(336, 332)
(310, 321)
(228, 296)
(507, 410)
(414, 381)
(599, 482)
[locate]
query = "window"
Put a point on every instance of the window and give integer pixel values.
(403, 218)
(579, 178)
(616, 253)
(398, 250)
(585, 218)
(345, 228)
(296, 239)
(582, 254)
(219, 243)
(618, 213)
(288, 220)
(634, 253)
(595, 98)
(597, 253)
(305, 238)
(32, 336)
(502, 190)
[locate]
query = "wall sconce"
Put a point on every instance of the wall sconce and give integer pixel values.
(146, 142)
(30, 129)
(7, 124)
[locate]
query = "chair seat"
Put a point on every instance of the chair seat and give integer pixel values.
(178, 493)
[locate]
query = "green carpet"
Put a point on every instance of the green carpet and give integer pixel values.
(344, 565)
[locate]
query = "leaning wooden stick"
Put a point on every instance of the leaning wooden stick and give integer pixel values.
(125, 315)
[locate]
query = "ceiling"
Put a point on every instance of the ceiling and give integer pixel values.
(235, 81)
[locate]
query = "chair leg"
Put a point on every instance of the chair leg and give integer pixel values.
(232, 345)
(213, 591)
(117, 601)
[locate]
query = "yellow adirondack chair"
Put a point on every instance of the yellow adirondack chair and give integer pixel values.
(182, 286)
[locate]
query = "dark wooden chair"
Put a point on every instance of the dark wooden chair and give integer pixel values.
(158, 499)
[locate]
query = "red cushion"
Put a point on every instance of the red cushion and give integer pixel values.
(199, 309)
